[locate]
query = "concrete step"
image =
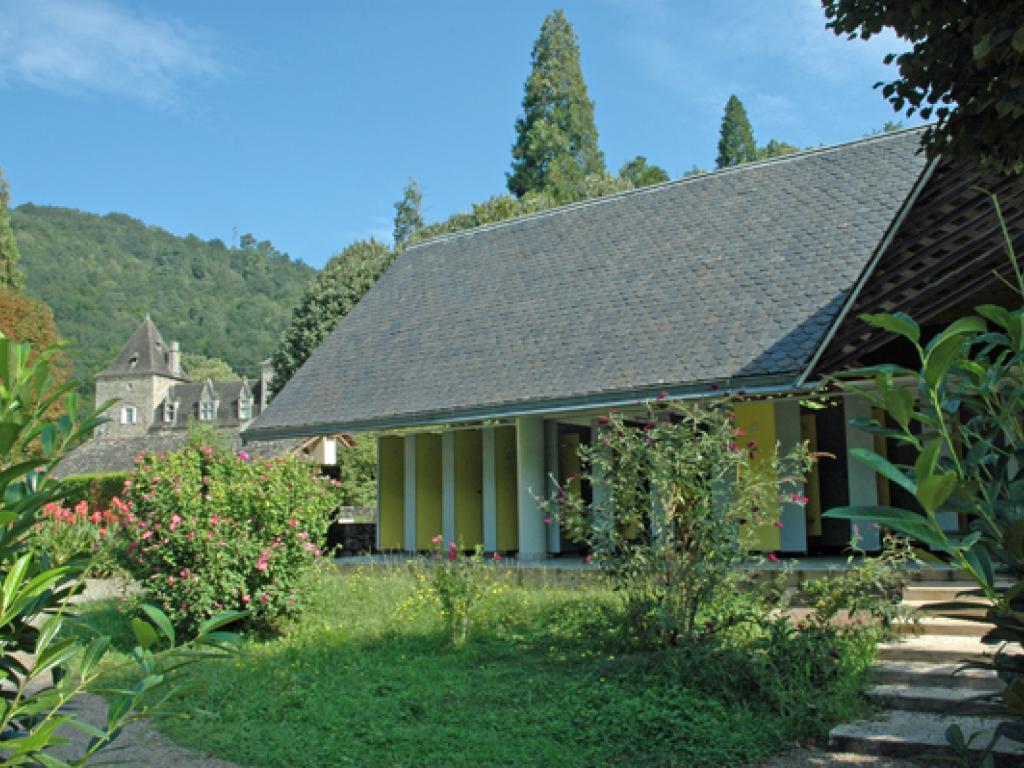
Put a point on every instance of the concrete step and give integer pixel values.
(975, 607)
(942, 700)
(940, 648)
(941, 626)
(919, 734)
(927, 673)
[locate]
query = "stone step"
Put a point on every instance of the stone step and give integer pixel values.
(941, 626)
(942, 700)
(919, 734)
(976, 607)
(935, 592)
(927, 673)
(941, 648)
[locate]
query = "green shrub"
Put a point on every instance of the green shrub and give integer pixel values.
(66, 532)
(215, 531)
(98, 491)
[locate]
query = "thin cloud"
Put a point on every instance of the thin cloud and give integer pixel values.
(94, 46)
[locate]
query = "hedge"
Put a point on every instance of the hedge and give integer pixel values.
(96, 489)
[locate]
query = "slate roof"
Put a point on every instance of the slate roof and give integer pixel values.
(101, 455)
(226, 394)
(144, 353)
(733, 276)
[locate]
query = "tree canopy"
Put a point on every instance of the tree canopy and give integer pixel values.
(200, 368)
(102, 274)
(556, 136)
(642, 174)
(25, 319)
(965, 70)
(327, 299)
(736, 138)
(9, 274)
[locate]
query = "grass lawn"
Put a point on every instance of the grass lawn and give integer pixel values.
(546, 679)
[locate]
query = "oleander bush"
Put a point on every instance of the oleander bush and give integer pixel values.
(215, 530)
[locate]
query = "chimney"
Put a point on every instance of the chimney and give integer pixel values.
(174, 358)
(266, 374)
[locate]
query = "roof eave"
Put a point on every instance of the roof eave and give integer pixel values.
(762, 385)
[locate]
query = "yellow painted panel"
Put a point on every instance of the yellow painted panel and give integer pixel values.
(812, 488)
(757, 420)
(391, 491)
(428, 489)
(469, 499)
(505, 482)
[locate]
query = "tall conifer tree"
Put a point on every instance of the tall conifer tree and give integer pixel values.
(9, 274)
(408, 213)
(736, 143)
(556, 137)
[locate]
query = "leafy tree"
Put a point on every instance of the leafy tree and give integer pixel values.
(556, 144)
(31, 321)
(9, 274)
(640, 174)
(966, 69)
(695, 170)
(328, 298)
(775, 149)
(201, 368)
(408, 214)
(736, 143)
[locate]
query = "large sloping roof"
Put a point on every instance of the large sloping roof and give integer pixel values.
(734, 276)
(144, 353)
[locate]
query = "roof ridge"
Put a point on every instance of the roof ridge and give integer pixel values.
(558, 210)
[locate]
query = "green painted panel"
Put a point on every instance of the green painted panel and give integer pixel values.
(469, 490)
(391, 491)
(505, 482)
(428, 489)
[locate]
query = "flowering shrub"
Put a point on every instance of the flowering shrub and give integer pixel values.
(64, 532)
(683, 497)
(456, 585)
(214, 530)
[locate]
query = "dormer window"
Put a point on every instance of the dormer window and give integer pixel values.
(133, 361)
(129, 415)
(170, 411)
(206, 411)
(244, 409)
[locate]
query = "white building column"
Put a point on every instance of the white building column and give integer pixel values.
(553, 471)
(863, 485)
(448, 485)
(792, 516)
(490, 500)
(531, 487)
(409, 527)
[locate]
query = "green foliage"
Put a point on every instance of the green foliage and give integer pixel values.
(215, 531)
(39, 681)
(962, 418)
(328, 298)
(543, 679)
(455, 585)
(200, 368)
(736, 138)
(357, 468)
(556, 138)
(965, 69)
(10, 277)
(68, 531)
(775, 149)
(408, 214)
(95, 490)
(875, 587)
(100, 274)
(641, 174)
(678, 511)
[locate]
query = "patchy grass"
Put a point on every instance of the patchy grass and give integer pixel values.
(546, 679)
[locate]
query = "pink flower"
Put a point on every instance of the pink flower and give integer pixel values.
(316, 552)
(662, 395)
(243, 455)
(773, 557)
(261, 565)
(170, 581)
(303, 535)
(548, 521)
(246, 599)
(309, 546)
(147, 534)
(453, 555)
(453, 546)
(602, 421)
(435, 539)
(588, 559)
(777, 524)
(497, 556)
(294, 523)
(264, 598)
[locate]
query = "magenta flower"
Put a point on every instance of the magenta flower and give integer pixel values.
(777, 524)
(436, 539)
(773, 557)
(497, 556)
(243, 455)
(548, 521)
(293, 522)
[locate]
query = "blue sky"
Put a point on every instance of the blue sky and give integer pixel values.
(300, 122)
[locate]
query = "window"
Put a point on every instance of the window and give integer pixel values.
(169, 412)
(244, 410)
(129, 415)
(206, 411)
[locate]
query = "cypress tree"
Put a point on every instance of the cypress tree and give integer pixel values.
(736, 143)
(556, 137)
(9, 274)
